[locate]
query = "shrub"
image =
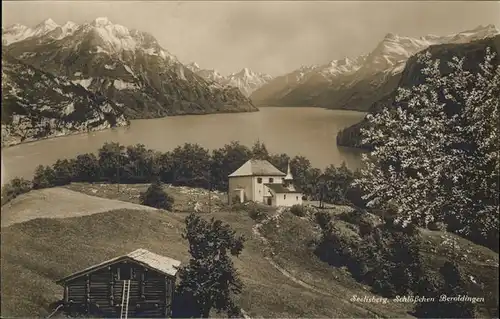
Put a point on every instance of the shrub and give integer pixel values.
(383, 256)
(451, 284)
(156, 197)
(437, 226)
(322, 219)
(336, 247)
(354, 217)
(14, 188)
(298, 210)
(398, 252)
(257, 214)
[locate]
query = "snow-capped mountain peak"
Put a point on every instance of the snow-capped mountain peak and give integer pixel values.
(489, 27)
(245, 72)
(45, 27)
(193, 66)
(69, 26)
(350, 76)
(101, 22)
(245, 80)
(47, 23)
(18, 32)
(127, 67)
(394, 49)
(15, 26)
(100, 35)
(391, 36)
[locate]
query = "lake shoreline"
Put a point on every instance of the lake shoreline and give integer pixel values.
(309, 132)
(52, 137)
(312, 107)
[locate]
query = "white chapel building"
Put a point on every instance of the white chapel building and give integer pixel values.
(261, 182)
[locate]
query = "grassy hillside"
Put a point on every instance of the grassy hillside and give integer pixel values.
(35, 253)
(292, 239)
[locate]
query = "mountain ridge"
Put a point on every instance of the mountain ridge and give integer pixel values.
(127, 66)
(246, 80)
(368, 79)
(411, 75)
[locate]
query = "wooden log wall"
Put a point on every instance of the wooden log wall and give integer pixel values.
(101, 293)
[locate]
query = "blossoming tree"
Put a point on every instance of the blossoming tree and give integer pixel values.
(435, 154)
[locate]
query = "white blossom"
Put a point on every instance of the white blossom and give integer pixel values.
(436, 150)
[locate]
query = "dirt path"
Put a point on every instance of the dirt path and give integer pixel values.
(256, 231)
(276, 217)
(59, 203)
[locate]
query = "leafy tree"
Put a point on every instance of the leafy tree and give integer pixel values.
(44, 177)
(191, 165)
(299, 165)
(156, 197)
(373, 252)
(226, 160)
(87, 168)
(134, 168)
(259, 151)
(143, 165)
(312, 184)
(166, 167)
(280, 161)
(112, 159)
(210, 277)
(354, 193)
(63, 172)
(435, 153)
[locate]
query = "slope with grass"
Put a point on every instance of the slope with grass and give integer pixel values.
(58, 203)
(293, 240)
(292, 282)
(39, 251)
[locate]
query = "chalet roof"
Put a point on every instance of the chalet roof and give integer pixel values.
(162, 264)
(280, 189)
(255, 167)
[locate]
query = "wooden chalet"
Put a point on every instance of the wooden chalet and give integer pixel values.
(139, 284)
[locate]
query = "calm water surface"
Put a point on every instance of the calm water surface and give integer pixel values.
(295, 131)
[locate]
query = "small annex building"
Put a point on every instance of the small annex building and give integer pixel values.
(261, 182)
(140, 284)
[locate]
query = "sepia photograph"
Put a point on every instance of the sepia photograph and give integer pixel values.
(250, 159)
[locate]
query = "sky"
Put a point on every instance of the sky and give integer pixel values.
(265, 36)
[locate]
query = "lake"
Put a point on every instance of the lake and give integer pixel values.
(303, 131)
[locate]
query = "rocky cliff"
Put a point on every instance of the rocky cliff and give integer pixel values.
(36, 105)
